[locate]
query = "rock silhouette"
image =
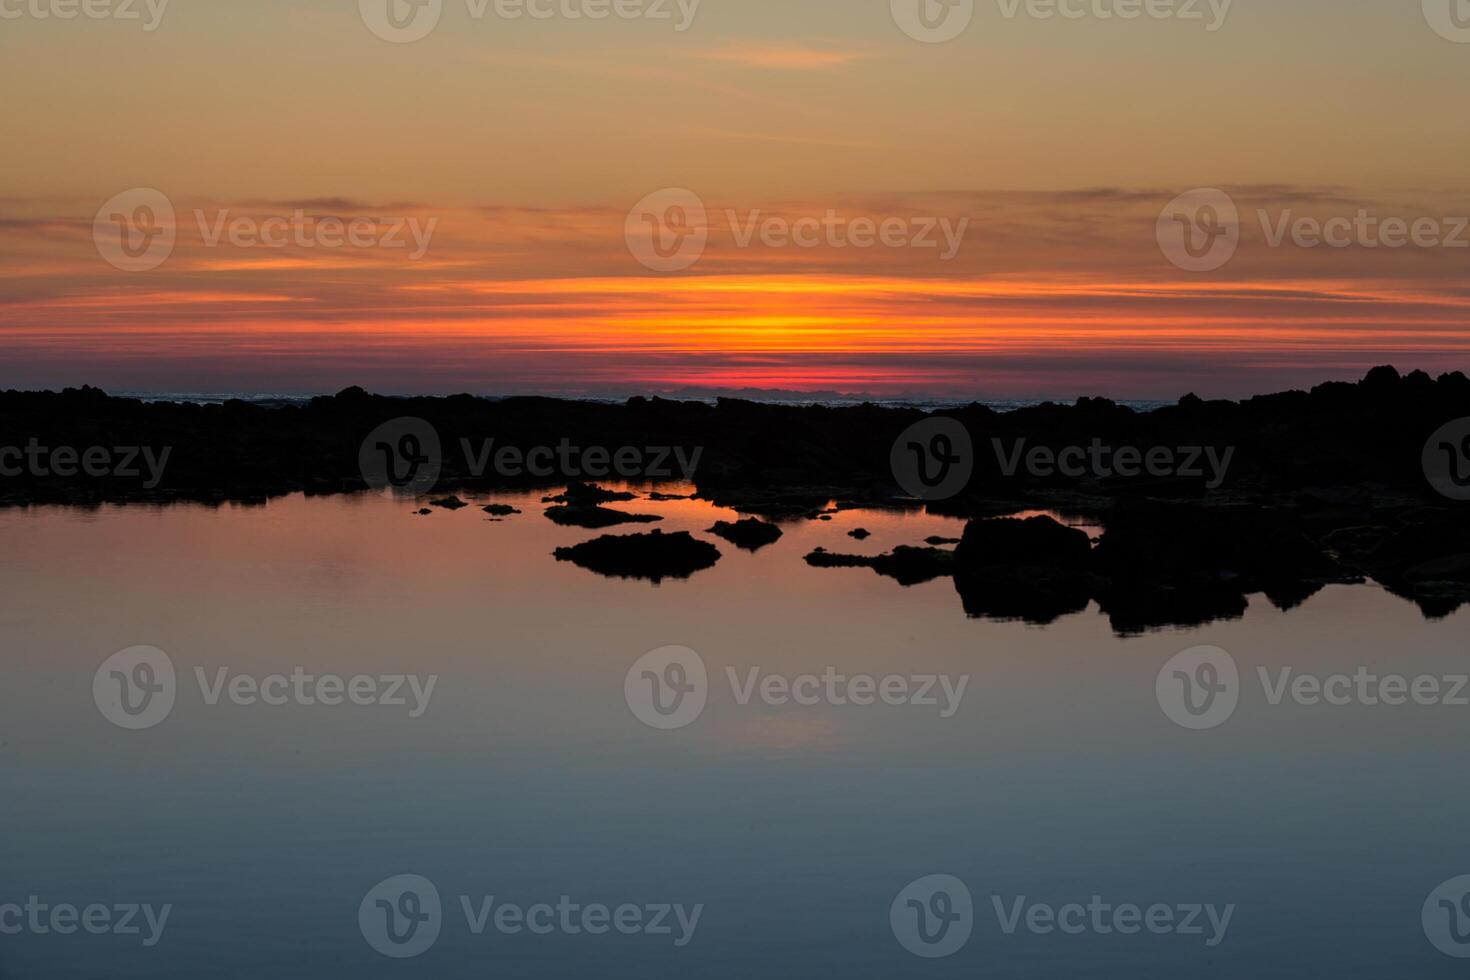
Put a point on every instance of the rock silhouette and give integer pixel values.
(596, 517)
(1304, 488)
(654, 556)
(750, 534)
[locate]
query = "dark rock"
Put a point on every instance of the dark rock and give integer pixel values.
(588, 494)
(936, 541)
(423, 512)
(448, 503)
(499, 510)
(1335, 473)
(655, 556)
(1032, 594)
(907, 565)
(1031, 570)
(750, 534)
(596, 517)
(860, 533)
(1422, 556)
(1036, 541)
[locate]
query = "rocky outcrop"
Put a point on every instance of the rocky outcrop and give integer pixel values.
(588, 495)
(907, 565)
(1321, 486)
(594, 518)
(654, 556)
(750, 534)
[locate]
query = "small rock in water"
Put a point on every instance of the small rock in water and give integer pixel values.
(860, 533)
(448, 503)
(587, 495)
(655, 556)
(751, 534)
(499, 510)
(596, 517)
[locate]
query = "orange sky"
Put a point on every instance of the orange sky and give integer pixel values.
(524, 145)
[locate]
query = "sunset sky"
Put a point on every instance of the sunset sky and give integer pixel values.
(526, 143)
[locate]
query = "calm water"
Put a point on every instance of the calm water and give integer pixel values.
(795, 827)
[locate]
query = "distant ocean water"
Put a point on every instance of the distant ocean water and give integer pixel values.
(928, 404)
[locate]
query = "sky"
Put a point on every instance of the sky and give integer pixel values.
(806, 195)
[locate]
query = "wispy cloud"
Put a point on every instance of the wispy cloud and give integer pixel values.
(786, 57)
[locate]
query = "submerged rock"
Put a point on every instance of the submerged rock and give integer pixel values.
(751, 534)
(448, 503)
(655, 555)
(499, 510)
(907, 565)
(860, 534)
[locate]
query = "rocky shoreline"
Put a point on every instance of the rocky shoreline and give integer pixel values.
(1203, 502)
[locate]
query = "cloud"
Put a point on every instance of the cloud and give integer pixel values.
(784, 57)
